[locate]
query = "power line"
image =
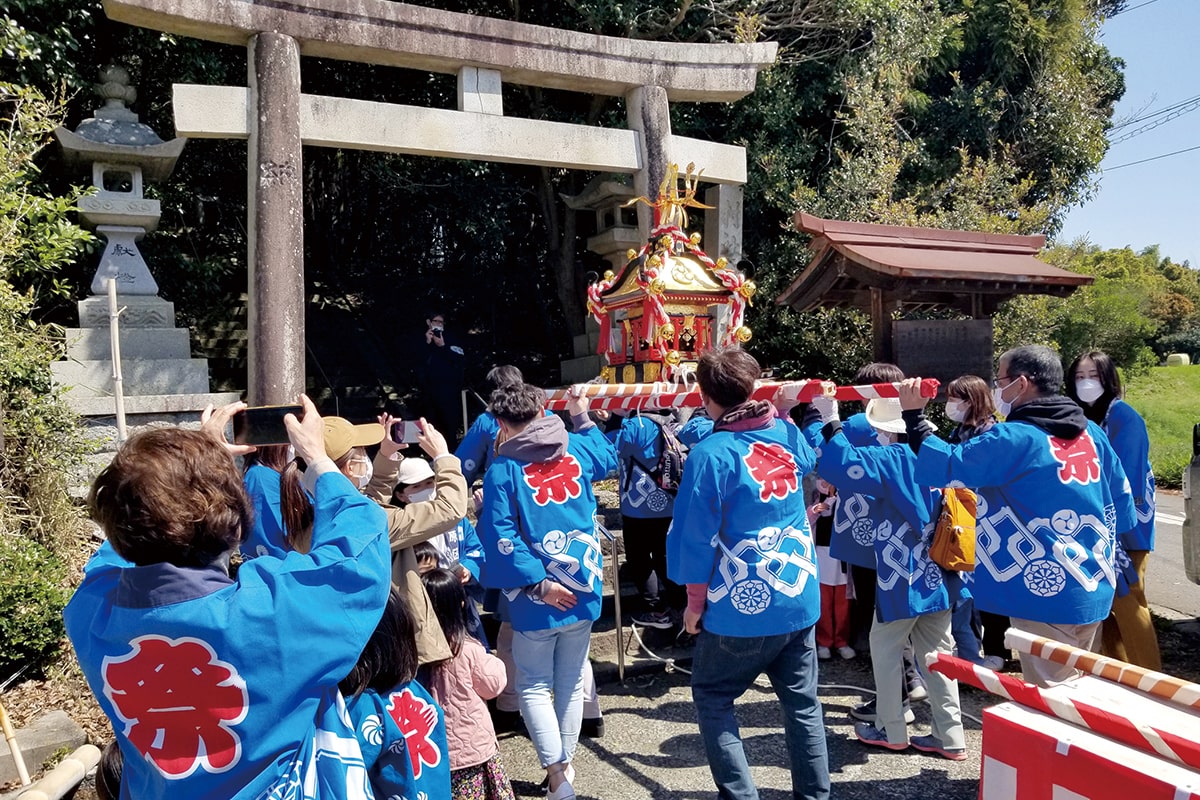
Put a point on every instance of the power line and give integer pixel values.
(1135, 120)
(1139, 5)
(1179, 111)
(1153, 158)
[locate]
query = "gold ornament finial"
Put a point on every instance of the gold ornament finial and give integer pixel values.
(667, 331)
(673, 358)
(671, 205)
(722, 262)
(743, 334)
(609, 275)
(630, 254)
(658, 286)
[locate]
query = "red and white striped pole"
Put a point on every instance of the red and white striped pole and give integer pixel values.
(1134, 733)
(1164, 687)
(630, 396)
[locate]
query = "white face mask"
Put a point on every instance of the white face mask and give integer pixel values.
(423, 495)
(1089, 390)
(365, 478)
(956, 410)
(1003, 407)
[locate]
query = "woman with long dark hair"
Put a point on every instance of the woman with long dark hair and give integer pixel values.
(1092, 382)
(969, 404)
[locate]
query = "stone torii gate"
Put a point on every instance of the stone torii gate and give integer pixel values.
(278, 119)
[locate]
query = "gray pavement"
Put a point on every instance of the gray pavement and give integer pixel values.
(651, 747)
(1171, 595)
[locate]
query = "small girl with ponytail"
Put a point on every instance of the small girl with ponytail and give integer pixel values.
(461, 686)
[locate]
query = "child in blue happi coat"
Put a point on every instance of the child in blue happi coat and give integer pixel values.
(399, 727)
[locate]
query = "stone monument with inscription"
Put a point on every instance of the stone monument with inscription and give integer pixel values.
(122, 155)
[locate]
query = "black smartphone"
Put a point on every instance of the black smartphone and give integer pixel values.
(405, 431)
(263, 425)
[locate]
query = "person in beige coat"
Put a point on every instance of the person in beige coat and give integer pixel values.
(419, 522)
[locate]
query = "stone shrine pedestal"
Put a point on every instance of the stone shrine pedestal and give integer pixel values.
(160, 376)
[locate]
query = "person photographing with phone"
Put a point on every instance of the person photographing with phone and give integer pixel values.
(257, 656)
(442, 378)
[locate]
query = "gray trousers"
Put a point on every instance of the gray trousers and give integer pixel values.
(1041, 672)
(929, 632)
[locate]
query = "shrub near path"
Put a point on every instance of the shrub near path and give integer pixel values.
(1166, 398)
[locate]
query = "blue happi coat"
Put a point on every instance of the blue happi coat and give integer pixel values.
(741, 528)
(639, 444)
(1127, 433)
(538, 522)
(475, 451)
(854, 516)
(908, 582)
(402, 734)
(1049, 511)
(228, 688)
(265, 537)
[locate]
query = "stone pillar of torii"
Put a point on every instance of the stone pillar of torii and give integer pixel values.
(483, 52)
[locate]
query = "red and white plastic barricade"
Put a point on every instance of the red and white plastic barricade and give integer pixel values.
(1030, 756)
(1086, 739)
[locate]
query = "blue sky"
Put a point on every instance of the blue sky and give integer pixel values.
(1157, 202)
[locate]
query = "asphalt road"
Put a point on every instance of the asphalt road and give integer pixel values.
(1171, 595)
(651, 747)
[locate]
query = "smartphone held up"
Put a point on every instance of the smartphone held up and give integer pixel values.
(405, 431)
(263, 425)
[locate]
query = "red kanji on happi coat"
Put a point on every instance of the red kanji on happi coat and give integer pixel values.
(179, 703)
(416, 718)
(774, 470)
(554, 481)
(1078, 457)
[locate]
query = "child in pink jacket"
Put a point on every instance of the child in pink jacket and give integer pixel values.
(461, 685)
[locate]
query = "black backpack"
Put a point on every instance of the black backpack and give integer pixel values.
(673, 454)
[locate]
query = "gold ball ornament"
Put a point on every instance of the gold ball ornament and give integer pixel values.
(666, 331)
(694, 239)
(722, 262)
(653, 261)
(658, 286)
(743, 334)
(609, 275)
(748, 289)
(673, 358)
(665, 242)
(630, 254)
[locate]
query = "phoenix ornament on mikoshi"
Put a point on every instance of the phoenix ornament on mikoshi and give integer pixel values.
(670, 302)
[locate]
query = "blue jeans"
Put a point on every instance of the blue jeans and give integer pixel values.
(723, 668)
(549, 666)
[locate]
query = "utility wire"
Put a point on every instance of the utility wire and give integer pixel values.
(1135, 120)
(1152, 158)
(1149, 126)
(1139, 5)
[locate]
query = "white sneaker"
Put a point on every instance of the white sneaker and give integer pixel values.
(846, 652)
(823, 654)
(994, 663)
(566, 789)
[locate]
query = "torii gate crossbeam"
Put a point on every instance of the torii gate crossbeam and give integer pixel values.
(277, 119)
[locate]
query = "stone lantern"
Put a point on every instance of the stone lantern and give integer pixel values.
(121, 155)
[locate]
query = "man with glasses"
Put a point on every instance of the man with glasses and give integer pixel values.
(1052, 499)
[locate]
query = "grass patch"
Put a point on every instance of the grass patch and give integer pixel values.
(1166, 399)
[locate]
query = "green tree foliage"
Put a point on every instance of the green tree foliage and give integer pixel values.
(985, 114)
(1140, 307)
(39, 436)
